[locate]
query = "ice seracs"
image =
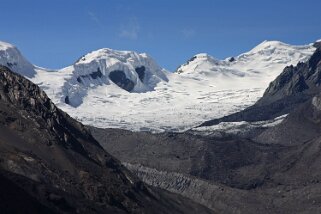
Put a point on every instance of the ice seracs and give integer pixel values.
(130, 71)
(139, 69)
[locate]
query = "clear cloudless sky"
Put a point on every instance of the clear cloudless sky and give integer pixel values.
(55, 33)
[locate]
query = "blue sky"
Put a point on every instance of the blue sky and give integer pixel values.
(56, 33)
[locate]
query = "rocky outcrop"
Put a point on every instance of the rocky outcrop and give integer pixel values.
(120, 79)
(141, 72)
(303, 78)
(94, 75)
(301, 126)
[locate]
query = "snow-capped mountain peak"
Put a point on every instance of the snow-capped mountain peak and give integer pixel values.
(268, 59)
(140, 69)
(128, 71)
(5, 45)
(266, 44)
(201, 62)
(11, 57)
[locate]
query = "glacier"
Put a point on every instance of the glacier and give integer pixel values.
(124, 89)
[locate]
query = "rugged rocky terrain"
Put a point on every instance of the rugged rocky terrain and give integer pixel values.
(50, 163)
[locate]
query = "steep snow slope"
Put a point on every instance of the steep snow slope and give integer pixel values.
(11, 57)
(124, 89)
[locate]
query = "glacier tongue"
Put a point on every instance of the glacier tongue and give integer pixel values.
(128, 90)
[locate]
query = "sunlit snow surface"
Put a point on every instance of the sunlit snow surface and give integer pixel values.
(206, 88)
(178, 105)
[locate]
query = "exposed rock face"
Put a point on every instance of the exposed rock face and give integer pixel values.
(94, 75)
(55, 164)
(120, 79)
(304, 77)
(141, 72)
(301, 126)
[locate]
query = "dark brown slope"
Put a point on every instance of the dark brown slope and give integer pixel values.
(235, 175)
(15, 199)
(227, 162)
(241, 176)
(294, 86)
(56, 165)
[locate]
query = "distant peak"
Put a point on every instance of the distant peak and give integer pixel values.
(202, 55)
(269, 44)
(108, 53)
(5, 45)
(11, 57)
(317, 44)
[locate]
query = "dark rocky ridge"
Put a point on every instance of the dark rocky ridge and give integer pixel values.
(120, 79)
(294, 86)
(51, 163)
(301, 126)
(141, 72)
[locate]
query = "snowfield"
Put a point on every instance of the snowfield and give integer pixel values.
(144, 97)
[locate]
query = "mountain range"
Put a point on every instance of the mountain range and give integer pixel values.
(128, 90)
(239, 135)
